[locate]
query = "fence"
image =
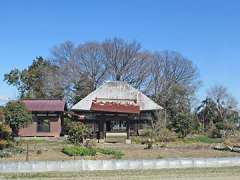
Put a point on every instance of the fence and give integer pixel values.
(91, 165)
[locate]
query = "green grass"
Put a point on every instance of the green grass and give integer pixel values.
(202, 139)
(83, 151)
(116, 153)
(79, 151)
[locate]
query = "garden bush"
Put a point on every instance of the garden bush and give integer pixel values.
(162, 135)
(89, 143)
(149, 143)
(79, 151)
(67, 123)
(147, 132)
(10, 150)
(15, 150)
(138, 139)
(5, 131)
(17, 116)
(165, 135)
(214, 132)
(39, 152)
(3, 144)
(77, 132)
(5, 154)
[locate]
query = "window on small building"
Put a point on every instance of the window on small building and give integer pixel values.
(43, 125)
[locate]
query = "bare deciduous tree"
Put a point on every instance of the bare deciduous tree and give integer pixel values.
(224, 100)
(120, 56)
(63, 52)
(174, 80)
(158, 75)
(81, 68)
(68, 74)
(170, 68)
(89, 57)
(126, 61)
(222, 97)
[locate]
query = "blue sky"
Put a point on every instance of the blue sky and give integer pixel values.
(206, 31)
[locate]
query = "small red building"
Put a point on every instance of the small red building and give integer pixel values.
(47, 117)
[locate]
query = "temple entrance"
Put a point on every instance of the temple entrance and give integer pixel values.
(116, 126)
(116, 131)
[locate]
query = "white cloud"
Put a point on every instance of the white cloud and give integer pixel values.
(4, 98)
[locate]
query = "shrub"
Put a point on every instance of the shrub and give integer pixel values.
(5, 131)
(90, 143)
(138, 140)
(117, 154)
(161, 135)
(15, 150)
(79, 151)
(77, 132)
(16, 115)
(39, 152)
(67, 122)
(165, 135)
(5, 154)
(182, 124)
(3, 144)
(229, 129)
(150, 133)
(213, 132)
(9, 151)
(149, 143)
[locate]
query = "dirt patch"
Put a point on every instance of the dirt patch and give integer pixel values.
(137, 151)
(52, 150)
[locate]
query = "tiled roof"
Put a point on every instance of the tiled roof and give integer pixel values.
(44, 105)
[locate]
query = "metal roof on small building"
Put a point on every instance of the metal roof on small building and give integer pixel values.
(118, 94)
(44, 105)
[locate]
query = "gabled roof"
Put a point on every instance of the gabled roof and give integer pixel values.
(44, 105)
(117, 92)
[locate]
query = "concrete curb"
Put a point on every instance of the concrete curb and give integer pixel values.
(93, 165)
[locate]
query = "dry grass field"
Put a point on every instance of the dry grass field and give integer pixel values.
(173, 150)
(52, 150)
(170, 174)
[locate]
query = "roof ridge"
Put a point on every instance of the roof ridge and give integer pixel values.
(47, 99)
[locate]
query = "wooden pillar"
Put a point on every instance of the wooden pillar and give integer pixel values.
(101, 128)
(128, 128)
(104, 128)
(98, 132)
